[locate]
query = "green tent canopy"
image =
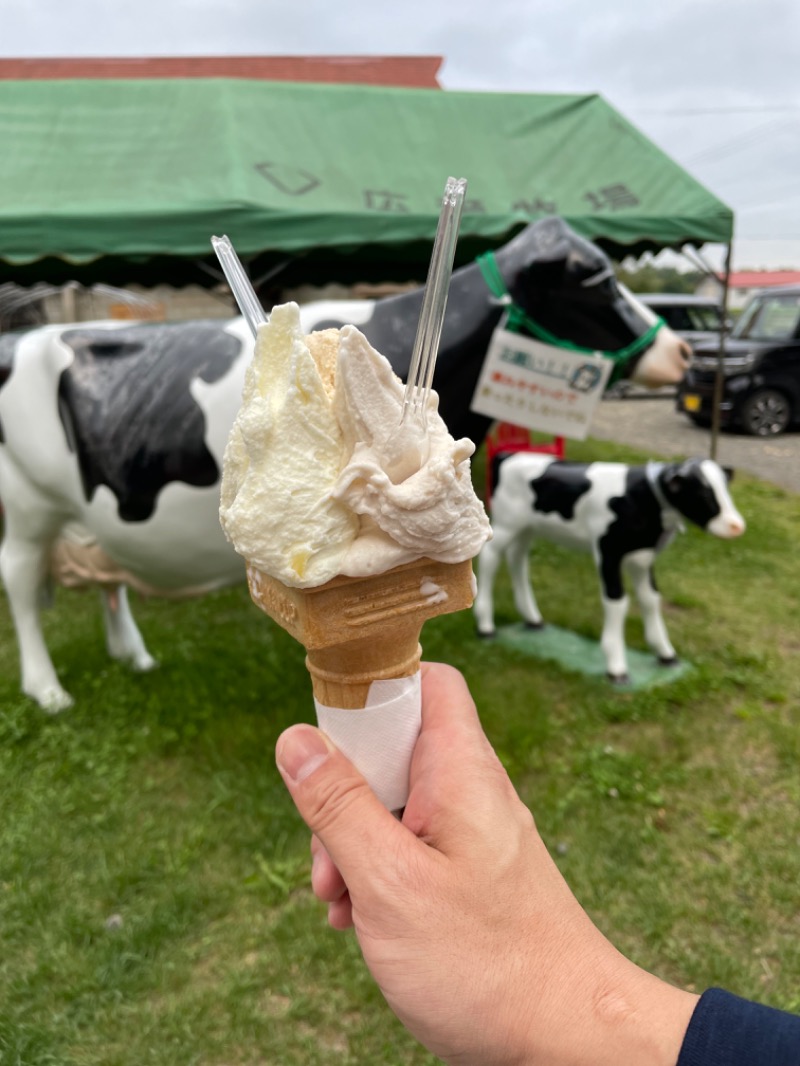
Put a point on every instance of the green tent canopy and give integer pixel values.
(125, 179)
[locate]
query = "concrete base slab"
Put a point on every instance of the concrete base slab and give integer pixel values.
(578, 653)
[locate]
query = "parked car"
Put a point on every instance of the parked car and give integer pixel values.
(695, 318)
(761, 382)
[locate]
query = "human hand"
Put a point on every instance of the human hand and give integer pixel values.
(464, 920)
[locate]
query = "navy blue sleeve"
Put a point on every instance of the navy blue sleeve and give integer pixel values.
(728, 1031)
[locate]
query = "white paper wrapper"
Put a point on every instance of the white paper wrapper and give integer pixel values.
(379, 739)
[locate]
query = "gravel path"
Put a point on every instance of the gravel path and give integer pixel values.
(653, 425)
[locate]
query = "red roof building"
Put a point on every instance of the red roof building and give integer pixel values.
(763, 279)
(743, 283)
(417, 72)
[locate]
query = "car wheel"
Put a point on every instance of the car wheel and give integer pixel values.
(766, 413)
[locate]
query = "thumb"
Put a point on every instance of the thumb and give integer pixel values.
(335, 802)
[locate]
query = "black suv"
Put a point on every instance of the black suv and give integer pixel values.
(761, 385)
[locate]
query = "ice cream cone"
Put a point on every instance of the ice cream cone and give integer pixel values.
(357, 630)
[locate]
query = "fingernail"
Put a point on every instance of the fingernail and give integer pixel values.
(300, 750)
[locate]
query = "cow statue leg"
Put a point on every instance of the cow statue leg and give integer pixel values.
(612, 640)
(123, 639)
(639, 565)
(489, 560)
(615, 611)
(23, 565)
(513, 544)
(517, 557)
(29, 530)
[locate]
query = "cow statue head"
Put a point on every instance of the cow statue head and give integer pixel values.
(567, 285)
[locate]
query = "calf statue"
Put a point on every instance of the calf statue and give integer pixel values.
(117, 431)
(624, 515)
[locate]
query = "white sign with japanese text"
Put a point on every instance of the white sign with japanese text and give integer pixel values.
(537, 386)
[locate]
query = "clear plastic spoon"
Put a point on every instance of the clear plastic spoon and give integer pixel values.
(243, 291)
(434, 302)
(410, 445)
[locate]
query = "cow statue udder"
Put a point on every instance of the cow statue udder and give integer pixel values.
(624, 515)
(118, 430)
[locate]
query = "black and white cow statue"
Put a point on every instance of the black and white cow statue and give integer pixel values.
(624, 515)
(117, 431)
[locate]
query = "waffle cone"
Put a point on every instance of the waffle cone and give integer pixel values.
(357, 630)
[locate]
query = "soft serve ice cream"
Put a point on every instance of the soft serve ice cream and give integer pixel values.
(356, 529)
(306, 488)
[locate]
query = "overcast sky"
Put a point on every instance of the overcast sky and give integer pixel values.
(715, 83)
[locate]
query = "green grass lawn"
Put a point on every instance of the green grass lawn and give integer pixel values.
(154, 900)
